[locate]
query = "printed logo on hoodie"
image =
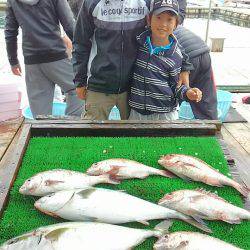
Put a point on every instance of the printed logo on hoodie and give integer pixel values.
(120, 11)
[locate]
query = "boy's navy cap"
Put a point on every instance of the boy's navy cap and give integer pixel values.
(160, 6)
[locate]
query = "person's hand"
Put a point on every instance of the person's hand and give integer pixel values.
(81, 92)
(67, 42)
(184, 78)
(194, 94)
(16, 70)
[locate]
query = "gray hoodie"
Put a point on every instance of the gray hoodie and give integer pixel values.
(41, 36)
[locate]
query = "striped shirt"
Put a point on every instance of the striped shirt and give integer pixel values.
(155, 78)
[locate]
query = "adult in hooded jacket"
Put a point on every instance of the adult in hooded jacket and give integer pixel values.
(45, 58)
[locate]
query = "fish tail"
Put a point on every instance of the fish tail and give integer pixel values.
(167, 174)
(243, 189)
(196, 222)
(163, 227)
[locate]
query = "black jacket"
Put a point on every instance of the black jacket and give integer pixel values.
(105, 46)
(41, 36)
(193, 44)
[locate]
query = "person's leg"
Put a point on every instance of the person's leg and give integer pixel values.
(201, 77)
(98, 105)
(61, 73)
(40, 90)
(122, 105)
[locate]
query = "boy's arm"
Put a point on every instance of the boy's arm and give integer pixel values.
(11, 33)
(82, 46)
(180, 91)
(65, 17)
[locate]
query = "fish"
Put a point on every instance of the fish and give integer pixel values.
(107, 206)
(83, 235)
(191, 241)
(125, 169)
(55, 180)
(195, 203)
(191, 168)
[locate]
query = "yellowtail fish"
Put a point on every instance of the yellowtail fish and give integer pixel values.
(108, 206)
(82, 235)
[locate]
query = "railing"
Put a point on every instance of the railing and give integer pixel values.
(234, 16)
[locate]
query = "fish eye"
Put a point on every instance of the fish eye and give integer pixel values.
(28, 180)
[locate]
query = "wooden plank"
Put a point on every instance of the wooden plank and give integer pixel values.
(241, 134)
(123, 130)
(10, 163)
(241, 157)
(8, 130)
(244, 110)
(235, 88)
(55, 120)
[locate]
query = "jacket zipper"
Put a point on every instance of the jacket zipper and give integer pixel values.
(145, 82)
(122, 50)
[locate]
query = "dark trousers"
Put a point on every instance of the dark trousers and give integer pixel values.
(202, 77)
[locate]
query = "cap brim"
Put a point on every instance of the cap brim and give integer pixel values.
(163, 9)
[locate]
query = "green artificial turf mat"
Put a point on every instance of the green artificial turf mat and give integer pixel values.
(79, 153)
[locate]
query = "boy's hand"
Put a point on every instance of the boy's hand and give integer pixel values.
(81, 92)
(16, 70)
(194, 94)
(183, 78)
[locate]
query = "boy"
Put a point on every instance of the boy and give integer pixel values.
(154, 91)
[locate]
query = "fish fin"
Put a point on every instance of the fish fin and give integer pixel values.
(164, 226)
(167, 174)
(233, 221)
(243, 189)
(55, 234)
(197, 222)
(213, 195)
(114, 171)
(182, 245)
(89, 218)
(185, 178)
(85, 193)
(199, 214)
(110, 179)
(145, 223)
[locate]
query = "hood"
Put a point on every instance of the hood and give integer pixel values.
(29, 2)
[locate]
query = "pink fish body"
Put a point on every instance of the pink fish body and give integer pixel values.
(125, 169)
(191, 168)
(191, 241)
(60, 179)
(195, 203)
